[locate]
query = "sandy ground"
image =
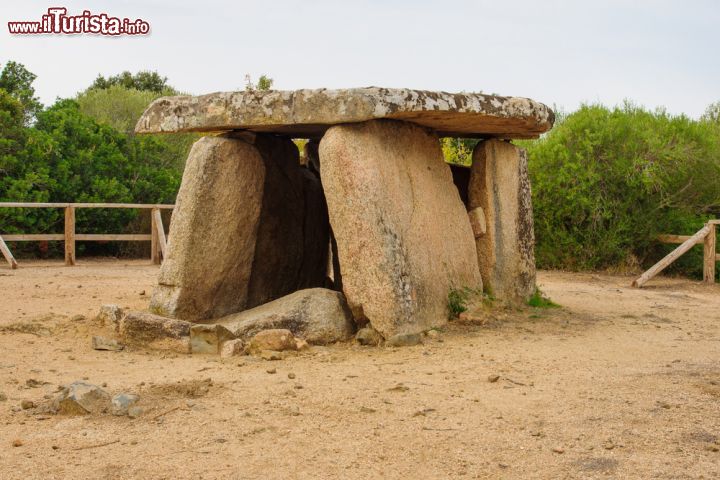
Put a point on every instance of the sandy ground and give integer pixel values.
(618, 383)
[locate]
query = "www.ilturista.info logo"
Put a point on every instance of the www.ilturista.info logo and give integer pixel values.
(57, 21)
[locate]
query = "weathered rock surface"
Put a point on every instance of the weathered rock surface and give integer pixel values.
(403, 235)
(250, 226)
(209, 258)
(499, 184)
(317, 315)
(80, 398)
(308, 113)
(208, 338)
(276, 340)
(154, 331)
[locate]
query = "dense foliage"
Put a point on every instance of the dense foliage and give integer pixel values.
(67, 155)
(607, 181)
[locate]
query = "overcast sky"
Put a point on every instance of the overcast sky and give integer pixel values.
(563, 53)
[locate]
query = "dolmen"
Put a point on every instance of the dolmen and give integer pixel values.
(370, 210)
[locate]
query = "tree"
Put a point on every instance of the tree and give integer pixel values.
(17, 81)
(121, 107)
(263, 84)
(143, 80)
(116, 105)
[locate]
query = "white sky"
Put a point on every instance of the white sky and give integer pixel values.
(657, 53)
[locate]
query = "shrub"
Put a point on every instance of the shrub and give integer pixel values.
(607, 181)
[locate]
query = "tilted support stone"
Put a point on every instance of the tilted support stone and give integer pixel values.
(402, 232)
(250, 225)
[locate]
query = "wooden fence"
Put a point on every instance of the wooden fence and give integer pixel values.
(706, 235)
(157, 235)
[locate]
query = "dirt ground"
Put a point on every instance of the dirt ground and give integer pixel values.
(618, 383)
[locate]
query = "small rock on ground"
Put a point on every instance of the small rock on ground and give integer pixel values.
(121, 403)
(232, 348)
(80, 398)
(368, 336)
(404, 340)
(109, 344)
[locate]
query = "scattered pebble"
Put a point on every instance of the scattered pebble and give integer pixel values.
(27, 404)
(109, 344)
(493, 378)
(271, 370)
(558, 450)
(17, 443)
(291, 376)
(135, 412)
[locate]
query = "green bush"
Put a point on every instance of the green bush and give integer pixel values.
(607, 181)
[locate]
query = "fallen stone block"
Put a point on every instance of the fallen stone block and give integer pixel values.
(80, 398)
(154, 331)
(276, 340)
(319, 316)
(208, 338)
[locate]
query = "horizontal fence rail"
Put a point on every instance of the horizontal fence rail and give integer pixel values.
(156, 237)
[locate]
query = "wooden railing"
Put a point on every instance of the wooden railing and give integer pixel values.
(156, 237)
(706, 235)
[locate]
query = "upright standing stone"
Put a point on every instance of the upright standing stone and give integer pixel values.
(499, 185)
(239, 235)
(402, 232)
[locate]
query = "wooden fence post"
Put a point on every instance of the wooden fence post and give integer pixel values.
(159, 231)
(70, 236)
(7, 254)
(709, 255)
(154, 239)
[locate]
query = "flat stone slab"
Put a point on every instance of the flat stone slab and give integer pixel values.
(308, 113)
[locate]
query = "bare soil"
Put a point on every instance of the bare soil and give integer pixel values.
(618, 383)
